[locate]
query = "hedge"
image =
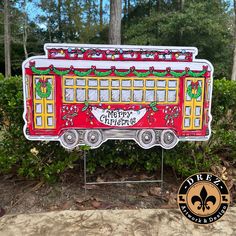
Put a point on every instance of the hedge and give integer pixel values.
(46, 160)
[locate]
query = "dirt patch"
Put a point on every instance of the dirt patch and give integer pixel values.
(19, 196)
(23, 196)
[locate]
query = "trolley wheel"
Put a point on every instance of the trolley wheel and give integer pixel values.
(168, 139)
(93, 138)
(69, 139)
(146, 138)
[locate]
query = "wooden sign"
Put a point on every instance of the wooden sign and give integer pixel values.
(87, 94)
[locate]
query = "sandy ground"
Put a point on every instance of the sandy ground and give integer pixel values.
(113, 222)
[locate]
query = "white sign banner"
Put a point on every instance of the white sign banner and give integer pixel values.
(119, 117)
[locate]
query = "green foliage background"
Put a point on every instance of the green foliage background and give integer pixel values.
(208, 25)
(203, 24)
(46, 160)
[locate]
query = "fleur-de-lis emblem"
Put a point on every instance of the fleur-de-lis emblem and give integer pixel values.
(203, 200)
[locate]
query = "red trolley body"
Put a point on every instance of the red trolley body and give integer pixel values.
(86, 94)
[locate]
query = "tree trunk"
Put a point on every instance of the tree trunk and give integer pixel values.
(25, 30)
(158, 5)
(182, 5)
(25, 37)
(125, 9)
(101, 15)
(115, 22)
(149, 7)
(89, 15)
(49, 31)
(7, 38)
(129, 7)
(233, 77)
(59, 21)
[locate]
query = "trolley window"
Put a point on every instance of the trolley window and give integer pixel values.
(120, 89)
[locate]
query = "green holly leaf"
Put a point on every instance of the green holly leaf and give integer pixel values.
(64, 117)
(153, 104)
(75, 114)
(85, 108)
(154, 109)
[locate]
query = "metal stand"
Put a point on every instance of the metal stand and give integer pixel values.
(125, 181)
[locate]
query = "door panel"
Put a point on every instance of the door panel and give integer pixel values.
(193, 103)
(44, 102)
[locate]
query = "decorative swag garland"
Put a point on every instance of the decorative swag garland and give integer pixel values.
(93, 69)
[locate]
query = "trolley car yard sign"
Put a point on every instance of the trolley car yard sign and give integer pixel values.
(87, 94)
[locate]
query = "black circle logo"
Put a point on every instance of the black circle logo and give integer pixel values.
(203, 198)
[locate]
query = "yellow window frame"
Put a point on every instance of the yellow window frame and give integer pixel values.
(44, 102)
(193, 103)
(120, 87)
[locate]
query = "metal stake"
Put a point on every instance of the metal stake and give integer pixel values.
(124, 182)
(162, 160)
(85, 174)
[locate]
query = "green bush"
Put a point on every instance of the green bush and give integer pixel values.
(187, 157)
(223, 141)
(46, 160)
(31, 159)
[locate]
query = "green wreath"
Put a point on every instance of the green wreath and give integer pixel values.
(192, 95)
(43, 94)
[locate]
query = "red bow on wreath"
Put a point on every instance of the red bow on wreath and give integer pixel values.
(43, 83)
(194, 85)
